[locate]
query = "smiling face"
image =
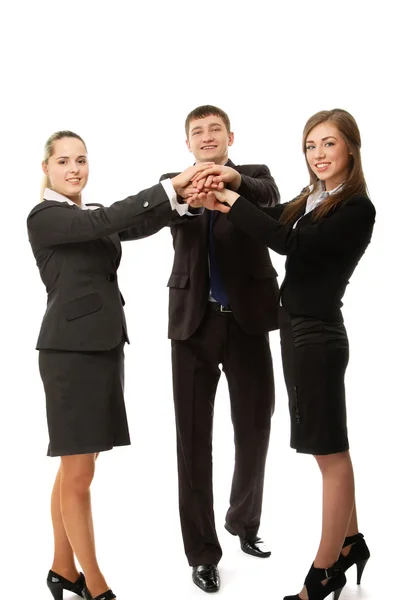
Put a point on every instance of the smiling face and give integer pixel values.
(67, 168)
(328, 155)
(209, 139)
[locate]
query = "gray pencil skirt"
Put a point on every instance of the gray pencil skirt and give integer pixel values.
(84, 400)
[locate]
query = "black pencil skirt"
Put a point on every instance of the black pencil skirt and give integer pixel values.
(84, 400)
(315, 355)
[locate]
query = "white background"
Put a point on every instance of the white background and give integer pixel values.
(124, 76)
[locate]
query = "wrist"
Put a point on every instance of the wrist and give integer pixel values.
(233, 196)
(175, 183)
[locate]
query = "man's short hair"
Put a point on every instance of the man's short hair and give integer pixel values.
(205, 111)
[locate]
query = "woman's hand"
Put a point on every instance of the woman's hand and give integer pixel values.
(214, 200)
(225, 195)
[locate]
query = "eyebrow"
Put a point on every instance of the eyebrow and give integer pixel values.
(323, 139)
(81, 156)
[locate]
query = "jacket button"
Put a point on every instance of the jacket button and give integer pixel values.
(145, 204)
(111, 277)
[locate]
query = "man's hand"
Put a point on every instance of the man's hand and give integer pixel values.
(180, 181)
(216, 177)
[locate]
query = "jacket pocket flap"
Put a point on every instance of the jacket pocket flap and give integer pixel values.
(79, 307)
(178, 280)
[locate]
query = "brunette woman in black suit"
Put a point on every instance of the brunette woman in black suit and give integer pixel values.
(324, 233)
(77, 248)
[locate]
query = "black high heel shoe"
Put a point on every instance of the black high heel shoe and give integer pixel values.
(57, 584)
(316, 590)
(359, 555)
(108, 595)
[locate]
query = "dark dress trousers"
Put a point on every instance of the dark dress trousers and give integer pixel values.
(83, 330)
(322, 255)
(202, 339)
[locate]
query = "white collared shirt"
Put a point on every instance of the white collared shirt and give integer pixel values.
(316, 197)
(56, 197)
(181, 209)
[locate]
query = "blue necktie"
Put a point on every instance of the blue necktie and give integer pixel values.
(216, 285)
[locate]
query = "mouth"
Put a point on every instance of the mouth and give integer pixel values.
(322, 166)
(209, 147)
(74, 180)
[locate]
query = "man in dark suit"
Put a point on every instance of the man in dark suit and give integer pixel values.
(223, 301)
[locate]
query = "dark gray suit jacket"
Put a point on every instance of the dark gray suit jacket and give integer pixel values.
(246, 269)
(78, 253)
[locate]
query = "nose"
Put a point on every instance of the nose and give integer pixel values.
(74, 167)
(208, 136)
(320, 152)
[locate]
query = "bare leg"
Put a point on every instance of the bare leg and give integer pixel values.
(64, 560)
(76, 477)
(352, 529)
(338, 505)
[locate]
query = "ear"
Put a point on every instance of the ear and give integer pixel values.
(45, 168)
(231, 138)
(188, 145)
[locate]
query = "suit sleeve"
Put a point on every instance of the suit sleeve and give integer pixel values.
(349, 226)
(261, 189)
(50, 224)
(149, 226)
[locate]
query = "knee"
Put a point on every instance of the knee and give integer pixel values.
(333, 462)
(77, 478)
(77, 482)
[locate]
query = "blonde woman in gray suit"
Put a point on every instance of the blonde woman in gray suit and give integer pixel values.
(77, 248)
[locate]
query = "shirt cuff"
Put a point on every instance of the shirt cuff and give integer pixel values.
(181, 209)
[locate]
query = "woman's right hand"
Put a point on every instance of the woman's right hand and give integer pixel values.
(182, 181)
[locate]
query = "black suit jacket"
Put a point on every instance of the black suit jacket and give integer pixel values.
(245, 265)
(321, 254)
(78, 253)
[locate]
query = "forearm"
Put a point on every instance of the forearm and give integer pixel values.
(258, 224)
(162, 217)
(54, 224)
(261, 191)
(347, 228)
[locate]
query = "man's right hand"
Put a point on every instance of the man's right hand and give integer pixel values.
(181, 181)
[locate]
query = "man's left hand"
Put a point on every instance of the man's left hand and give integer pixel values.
(216, 177)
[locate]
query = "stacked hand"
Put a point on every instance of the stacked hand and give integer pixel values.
(204, 185)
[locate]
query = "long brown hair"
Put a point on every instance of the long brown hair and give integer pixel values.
(49, 149)
(355, 184)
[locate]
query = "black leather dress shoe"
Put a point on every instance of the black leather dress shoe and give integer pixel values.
(253, 547)
(206, 577)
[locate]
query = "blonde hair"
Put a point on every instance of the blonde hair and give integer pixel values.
(48, 152)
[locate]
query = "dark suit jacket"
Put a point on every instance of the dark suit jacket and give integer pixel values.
(245, 265)
(321, 254)
(78, 254)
